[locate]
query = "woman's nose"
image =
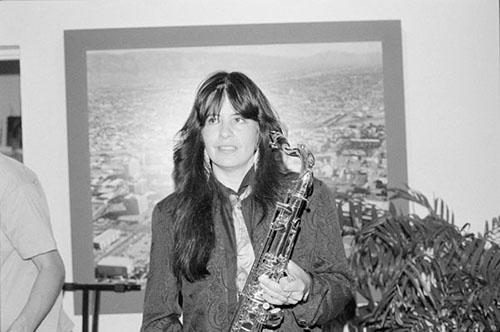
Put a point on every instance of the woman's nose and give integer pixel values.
(226, 129)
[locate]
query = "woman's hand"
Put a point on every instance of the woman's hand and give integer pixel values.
(290, 290)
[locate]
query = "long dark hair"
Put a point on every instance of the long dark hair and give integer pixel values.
(195, 188)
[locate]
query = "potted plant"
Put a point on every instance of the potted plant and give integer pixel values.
(421, 273)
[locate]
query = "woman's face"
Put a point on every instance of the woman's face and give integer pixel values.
(230, 141)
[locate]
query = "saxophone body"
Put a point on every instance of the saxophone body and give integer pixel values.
(252, 313)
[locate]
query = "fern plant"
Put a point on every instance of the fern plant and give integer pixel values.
(422, 273)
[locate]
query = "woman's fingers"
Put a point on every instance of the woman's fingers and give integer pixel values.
(304, 278)
(290, 289)
(273, 297)
(284, 292)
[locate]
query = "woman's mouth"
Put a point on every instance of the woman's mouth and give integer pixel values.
(226, 148)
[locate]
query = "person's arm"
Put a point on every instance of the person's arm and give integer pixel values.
(26, 223)
(323, 293)
(331, 292)
(161, 303)
(46, 288)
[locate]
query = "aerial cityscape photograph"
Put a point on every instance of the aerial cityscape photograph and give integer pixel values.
(329, 96)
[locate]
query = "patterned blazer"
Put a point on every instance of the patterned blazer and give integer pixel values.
(208, 304)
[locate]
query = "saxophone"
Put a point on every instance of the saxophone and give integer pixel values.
(252, 313)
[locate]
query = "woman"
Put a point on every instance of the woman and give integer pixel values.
(208, 232)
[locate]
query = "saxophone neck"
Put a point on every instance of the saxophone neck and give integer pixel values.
(280, 142)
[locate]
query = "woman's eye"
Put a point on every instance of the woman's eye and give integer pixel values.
(212, 119)
(239, 119)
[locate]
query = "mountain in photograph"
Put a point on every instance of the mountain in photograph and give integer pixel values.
(163, 66)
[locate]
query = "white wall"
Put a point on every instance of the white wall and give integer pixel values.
(451, 75)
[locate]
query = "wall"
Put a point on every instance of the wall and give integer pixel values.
(451, 74)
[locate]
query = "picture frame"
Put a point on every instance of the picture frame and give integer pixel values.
(79, 45)
(11, 140)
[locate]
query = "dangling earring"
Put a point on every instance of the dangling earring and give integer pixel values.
(256, 157)
(207, 163)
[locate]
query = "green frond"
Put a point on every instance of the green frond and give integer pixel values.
(431, 275)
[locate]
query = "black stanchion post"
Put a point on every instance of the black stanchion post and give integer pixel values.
(96, 288)
(95, 317)
(85, 311)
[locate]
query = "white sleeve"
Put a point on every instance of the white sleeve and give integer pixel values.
(25, 220)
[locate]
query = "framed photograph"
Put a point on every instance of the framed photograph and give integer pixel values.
(337, 87)
(14, 131)
(11, 140)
